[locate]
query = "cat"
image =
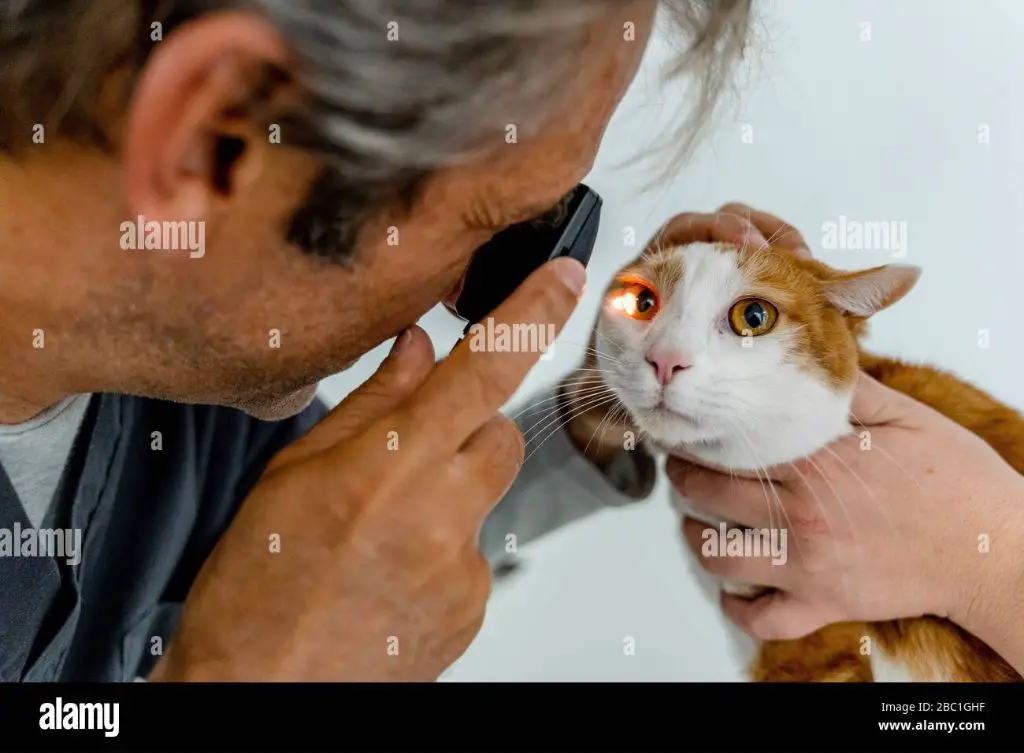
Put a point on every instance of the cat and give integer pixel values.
(770, 348)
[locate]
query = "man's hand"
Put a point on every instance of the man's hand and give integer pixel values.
(377, 512)
(733, 223)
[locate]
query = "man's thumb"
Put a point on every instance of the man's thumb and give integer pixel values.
(875, 404)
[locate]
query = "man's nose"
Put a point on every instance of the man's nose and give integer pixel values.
(668, 363)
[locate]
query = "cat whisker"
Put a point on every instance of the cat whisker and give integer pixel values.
(552, 398)
(723, 401)
(619, 413)
(871, 494)
(583, 380)
(817, 499)
(742, 379)
(835, 493)
(853, 473)
(729, 406)
(602, 354)
(608, 340)
(876, 446)
(583, 404)
(584, 375)
(560, 424)
(570, 402)
(778, 235)
(607, 418)
(655, 247)
(857, 420)
(768, 481)
(764, 490)
(590, 349)
(750, 221)
(640, 432)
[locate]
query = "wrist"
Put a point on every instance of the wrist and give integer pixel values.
(991, 605)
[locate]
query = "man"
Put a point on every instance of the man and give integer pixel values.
(317, 180)
(208, 207)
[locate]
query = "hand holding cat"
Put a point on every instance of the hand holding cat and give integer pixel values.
(909, 515)
(734, 223)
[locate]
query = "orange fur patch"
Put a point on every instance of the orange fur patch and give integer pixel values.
(832, 654)
(820, 331)
(664, 268)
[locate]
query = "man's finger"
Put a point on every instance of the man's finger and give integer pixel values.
(874, 404)
(711, 553)
(493, 455)
(777, 232)
(776, 616)
(405, 368)
(747, 502)
(693, 227)
(484, 370)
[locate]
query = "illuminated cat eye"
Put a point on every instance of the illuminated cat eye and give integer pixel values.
(751, 317)
(636, 300)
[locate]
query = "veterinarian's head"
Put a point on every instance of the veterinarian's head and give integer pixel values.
(224, 202)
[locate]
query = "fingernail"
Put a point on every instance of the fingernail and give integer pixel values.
(755, 239)
(401, 343)
(803, 252)
(571, 273)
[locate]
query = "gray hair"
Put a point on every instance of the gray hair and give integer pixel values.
(396, 88)
(422, 85)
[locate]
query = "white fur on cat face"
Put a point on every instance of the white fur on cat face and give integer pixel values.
(743, 403)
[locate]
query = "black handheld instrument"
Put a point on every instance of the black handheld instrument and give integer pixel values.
(500, 265)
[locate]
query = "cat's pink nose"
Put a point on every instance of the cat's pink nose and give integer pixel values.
(667, 364)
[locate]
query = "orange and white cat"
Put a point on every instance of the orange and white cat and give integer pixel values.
(745, 358)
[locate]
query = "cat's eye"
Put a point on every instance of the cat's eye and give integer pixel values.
(636, 300)
(751, 317)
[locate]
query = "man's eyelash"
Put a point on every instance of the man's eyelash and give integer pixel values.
(555, 215)
(484, 216)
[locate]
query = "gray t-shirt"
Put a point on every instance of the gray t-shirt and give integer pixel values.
(151, 486)
(34, 453)
(146, 491)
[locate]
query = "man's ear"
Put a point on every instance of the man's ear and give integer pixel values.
(867, 292)
(190, 141)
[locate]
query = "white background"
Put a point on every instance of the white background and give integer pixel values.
(878, 129)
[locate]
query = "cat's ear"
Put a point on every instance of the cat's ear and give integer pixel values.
(867, 292)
